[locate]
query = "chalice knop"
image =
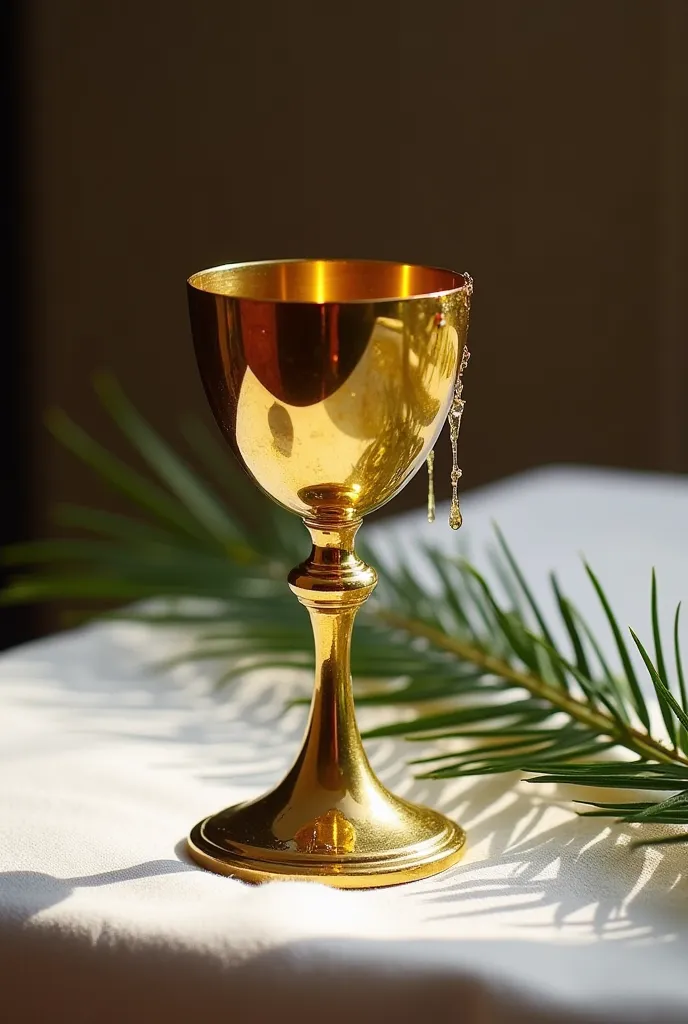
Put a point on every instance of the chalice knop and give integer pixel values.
(331, 380)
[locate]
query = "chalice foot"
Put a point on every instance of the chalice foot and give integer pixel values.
(397, 841)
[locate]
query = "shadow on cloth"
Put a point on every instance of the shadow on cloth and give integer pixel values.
(490, 982)
(576, 868)
(39, 891)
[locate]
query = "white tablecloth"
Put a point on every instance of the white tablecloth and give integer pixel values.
(104, 767)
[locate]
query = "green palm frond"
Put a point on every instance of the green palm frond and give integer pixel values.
(491, 688)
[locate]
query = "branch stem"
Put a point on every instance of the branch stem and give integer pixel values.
(602, 723)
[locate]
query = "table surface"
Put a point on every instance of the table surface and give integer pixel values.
(105, 766)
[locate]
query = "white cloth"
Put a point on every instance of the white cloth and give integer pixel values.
(104, 766)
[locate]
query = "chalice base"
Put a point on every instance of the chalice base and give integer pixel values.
(269, 840)
(330, 820)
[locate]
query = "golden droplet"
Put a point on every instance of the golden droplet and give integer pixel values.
(431, 487)
(455, 517)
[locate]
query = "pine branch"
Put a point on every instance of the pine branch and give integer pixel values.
(511, 698)
(580, 710)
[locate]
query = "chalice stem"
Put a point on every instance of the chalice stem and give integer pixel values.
(332, 735)
(332, 584)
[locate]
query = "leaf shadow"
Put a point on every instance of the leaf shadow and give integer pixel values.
(577, 874)
(529, 861)
(96, 687)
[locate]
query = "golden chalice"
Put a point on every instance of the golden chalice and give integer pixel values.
(331, 380)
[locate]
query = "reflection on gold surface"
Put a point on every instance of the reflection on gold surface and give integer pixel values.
(282, 429)
(330, 833)
(326, 281)
(347, 396)
(331, 380)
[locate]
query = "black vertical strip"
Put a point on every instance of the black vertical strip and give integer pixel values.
(16, 624)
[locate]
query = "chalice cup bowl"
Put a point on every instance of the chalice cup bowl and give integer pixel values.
(331, 380)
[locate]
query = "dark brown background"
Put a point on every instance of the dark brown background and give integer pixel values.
(540, 144)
